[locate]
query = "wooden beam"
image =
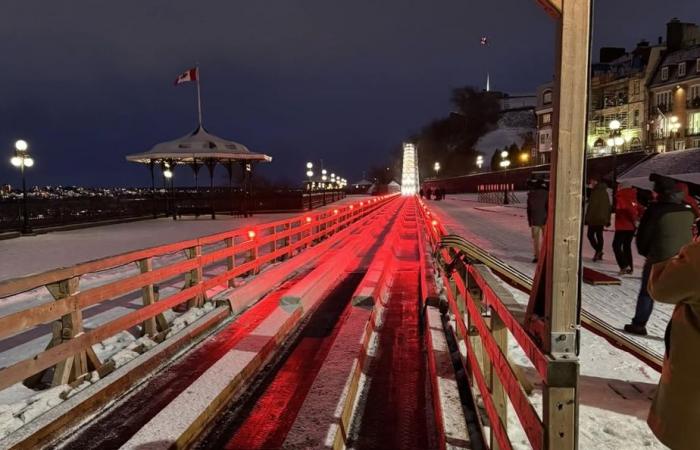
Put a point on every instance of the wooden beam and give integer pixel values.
(558, 278)
(150, 327)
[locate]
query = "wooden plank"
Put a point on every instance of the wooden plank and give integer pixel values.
(230, 260)
(499, 334)
(561, 407)
(25, 368)
(527, 414)
(552, 7)
(37, 315)
(531, 349)
(150, 327)
(16, 285)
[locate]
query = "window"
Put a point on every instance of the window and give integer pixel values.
(547, 97)
(546, 118)
(694, 124)
(664, 73)
(635, 87)
(694, 97)
(681, 69)
(663, 100)
(635, 120)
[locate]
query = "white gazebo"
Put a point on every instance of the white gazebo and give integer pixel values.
(201, 148)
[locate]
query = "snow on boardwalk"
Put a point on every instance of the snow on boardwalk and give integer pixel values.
(615, 387)
(34, 254)
(503, 231)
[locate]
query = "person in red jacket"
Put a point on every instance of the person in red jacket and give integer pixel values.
(690, 201)
(627, 214)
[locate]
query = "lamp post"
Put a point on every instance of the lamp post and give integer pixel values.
(674, 126)
(615, 141)
(168, 174)
(436, 167)
(324, 177)
(22, 160)
(310, 173)
(505, 163)
(479, 161)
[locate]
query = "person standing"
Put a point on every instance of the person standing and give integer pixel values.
(666, 226)
(675, 411)
(627, 212)
(598, 217)
(537, 215)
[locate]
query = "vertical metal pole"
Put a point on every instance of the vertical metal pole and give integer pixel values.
(199, 98)
(151, 166)
(25, 212)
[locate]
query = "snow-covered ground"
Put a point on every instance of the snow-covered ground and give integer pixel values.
(616, 387)
(34, 254)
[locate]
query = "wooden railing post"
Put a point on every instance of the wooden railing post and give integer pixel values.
(194, 276)
(230, 261)
(498, 392)
(70, 326)
(152, 325)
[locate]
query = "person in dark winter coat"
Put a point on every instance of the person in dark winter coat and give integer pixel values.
(627, 213)
(666, 226)
(537, 215)
(598, 217)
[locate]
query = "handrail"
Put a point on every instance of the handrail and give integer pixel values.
(244, 250)
(482, 321)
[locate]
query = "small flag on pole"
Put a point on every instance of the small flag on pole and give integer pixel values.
(188, 75)
(484, 40)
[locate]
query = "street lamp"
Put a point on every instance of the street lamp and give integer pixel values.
(22, 160)
(436, 167)
(168, 174)
(674, 125)
(614, 142)
(505, 163)
(479, 161)
(310, 173)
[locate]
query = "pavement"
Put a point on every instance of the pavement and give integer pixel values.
(503, 231)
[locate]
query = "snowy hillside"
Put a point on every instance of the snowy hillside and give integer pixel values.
(512, 128)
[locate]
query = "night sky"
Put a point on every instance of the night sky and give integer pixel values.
(87, 82)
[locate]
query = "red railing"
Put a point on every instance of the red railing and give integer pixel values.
(241, 251)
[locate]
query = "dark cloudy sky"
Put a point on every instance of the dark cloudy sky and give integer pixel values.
(87, 82)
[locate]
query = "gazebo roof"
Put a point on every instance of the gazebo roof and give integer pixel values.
(199, 145)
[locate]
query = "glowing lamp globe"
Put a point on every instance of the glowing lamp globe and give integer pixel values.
(21, 145)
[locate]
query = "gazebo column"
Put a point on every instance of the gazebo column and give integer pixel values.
(230, 164)
(247, 186)
(248, 169)
(173, 196)
(211, 165)
(151, 167)
(196, 165)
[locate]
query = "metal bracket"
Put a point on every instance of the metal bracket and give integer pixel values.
(564, 344)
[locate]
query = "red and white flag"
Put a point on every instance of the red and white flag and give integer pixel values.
(188, 75)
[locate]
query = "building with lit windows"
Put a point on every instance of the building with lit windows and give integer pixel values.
(619, 93)
(674, 91)
(542, 150)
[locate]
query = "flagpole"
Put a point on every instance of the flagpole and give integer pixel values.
(199, 97)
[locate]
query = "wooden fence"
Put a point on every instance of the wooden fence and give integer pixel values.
(485, 312)
(241, 251)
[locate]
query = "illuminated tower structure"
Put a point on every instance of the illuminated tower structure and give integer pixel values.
(409, 176)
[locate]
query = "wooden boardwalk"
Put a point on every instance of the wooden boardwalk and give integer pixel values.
(503, 231)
